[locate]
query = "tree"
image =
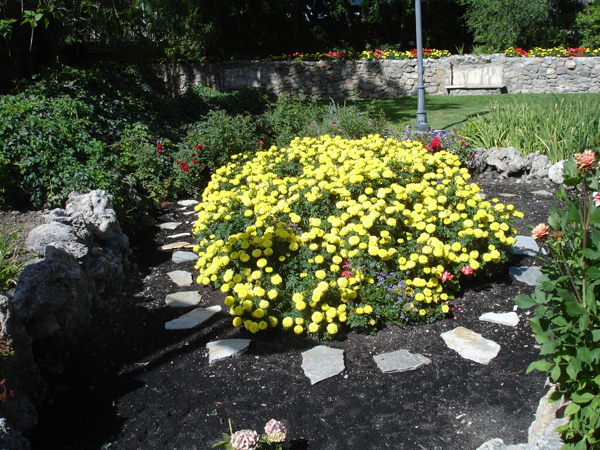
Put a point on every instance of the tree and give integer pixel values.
(588, 24)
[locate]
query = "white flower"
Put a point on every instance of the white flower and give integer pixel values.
(275, 431)
(244, 440)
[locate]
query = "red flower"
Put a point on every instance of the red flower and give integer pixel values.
(193, 154)
(447, 276)
(160, 150)
(347, 274)
(193, 161)
(467, 270)
(435, 143)
(333, 122)
(197, 147)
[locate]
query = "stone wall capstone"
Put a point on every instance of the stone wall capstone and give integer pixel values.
(343, 80)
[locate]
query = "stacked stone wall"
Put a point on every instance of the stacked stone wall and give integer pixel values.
(390, 78)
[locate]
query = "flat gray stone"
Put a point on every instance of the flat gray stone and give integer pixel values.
(494, 444)
(507, 195)
(527, 275)
(181, 277)
(169, 225)
(180, 235)
(189, 213)
(176, 245)
(183, 299)
(526, 245)
(542, 193)
(226, 348)
(471, 345)
(179, 257)
(187, 202)
(510, 319)
(400, 361)
(166, 217)
(192, 319)
(322, 362)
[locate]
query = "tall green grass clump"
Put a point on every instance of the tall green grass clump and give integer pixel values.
(557, 128)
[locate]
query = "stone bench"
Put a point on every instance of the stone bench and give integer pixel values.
(476, 89)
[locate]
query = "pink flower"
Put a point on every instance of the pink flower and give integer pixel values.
(467, 270)
(244, 440)
(275, 431)
(540, 232)
(596, 198)
(447, 276)
(585, 161)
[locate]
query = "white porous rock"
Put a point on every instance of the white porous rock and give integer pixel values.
(556, 172)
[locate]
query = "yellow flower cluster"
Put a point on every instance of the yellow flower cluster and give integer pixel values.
(276, 232)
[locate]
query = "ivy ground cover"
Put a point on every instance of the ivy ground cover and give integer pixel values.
(330, 233)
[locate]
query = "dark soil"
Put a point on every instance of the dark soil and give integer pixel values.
(130, 384)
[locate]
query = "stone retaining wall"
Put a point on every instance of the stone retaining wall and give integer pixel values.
(388, 78)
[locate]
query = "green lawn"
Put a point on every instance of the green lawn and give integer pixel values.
(445, 111)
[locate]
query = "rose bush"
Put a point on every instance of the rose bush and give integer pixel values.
(332, 232)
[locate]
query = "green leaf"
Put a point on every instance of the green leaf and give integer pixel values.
(541, 365)
(555, 374)
(596, 335)
(549, 347)
(559, 321)
(590, 254)
(574, 214)
(573, 308)
(592, 273)
(572, 408)
(574, 368)
(524, 301)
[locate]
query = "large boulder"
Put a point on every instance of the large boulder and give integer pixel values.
(507, 160)
(53, 299)
(556, 172)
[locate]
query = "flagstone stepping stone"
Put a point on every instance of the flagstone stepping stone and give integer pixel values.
(181, 277)
(187, 202)
(507, 318)
(189, 213)
(471, 345)
(507, 195)
(400, 361)
(183, 299)
(226, 348)
(192, 319)
(176, 245)
(322, 362)
(542, 193)
(179, 257)
(169, 225)
(166, 217)
(526, 245)
(180, 235)
(527, 275)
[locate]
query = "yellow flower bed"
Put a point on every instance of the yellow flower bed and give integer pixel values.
(332, 232)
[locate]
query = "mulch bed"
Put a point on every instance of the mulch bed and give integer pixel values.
(131, 384)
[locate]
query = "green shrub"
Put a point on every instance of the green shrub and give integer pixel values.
(566, 322)
(220, 135)
(145, 157)
(556, 128)
(332, 232)
(588, 25)
(293, 117)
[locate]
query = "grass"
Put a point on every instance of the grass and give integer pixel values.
(444, 111)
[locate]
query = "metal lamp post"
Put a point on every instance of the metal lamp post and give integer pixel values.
(422, 124)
